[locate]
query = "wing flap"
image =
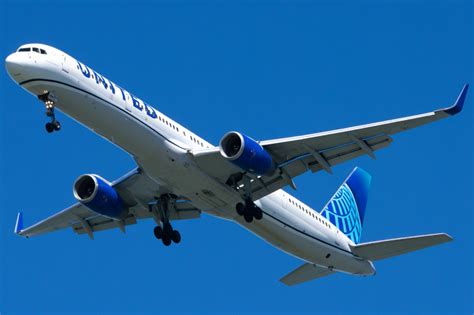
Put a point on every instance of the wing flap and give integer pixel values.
(393, 247)
(333, 157)
(101, 223)
(305, 272)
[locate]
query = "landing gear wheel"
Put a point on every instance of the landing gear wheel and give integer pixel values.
(164, 230)
(166, 240)
(240, 208)
(49, 127)
(258, 213)
(175, 237)
(167, 229)
(49, 101)
(248, 217)
(158, 231)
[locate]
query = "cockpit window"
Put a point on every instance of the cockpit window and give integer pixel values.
(35, 49)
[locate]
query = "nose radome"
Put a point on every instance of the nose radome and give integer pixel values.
(14, 65)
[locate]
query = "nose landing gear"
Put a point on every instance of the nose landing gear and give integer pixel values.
(49, 101)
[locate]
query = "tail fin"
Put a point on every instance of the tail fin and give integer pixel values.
(346, 209)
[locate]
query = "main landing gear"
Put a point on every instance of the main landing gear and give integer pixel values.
(49, 101)
(249, 211)
(167, 234)
(164, 230)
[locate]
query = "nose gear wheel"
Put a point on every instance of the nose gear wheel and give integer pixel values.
(49, 101)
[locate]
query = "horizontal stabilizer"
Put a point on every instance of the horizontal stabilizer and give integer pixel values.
(305, 272)
(388, 248)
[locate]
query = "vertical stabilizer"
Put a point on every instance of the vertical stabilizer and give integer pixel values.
(346, 209)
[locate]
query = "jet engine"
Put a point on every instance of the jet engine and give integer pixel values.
(246, 153)
(98, 195)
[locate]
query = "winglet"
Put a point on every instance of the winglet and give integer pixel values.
(458, 105)
(19, 223)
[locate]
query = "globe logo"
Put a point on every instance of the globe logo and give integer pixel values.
(342, 211)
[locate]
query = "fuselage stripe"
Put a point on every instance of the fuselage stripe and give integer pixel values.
(306, 234)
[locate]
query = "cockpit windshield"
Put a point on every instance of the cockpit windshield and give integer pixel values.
(34, 49)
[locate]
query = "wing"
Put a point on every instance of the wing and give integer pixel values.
(135, 188)
(319, 151)
(305, 272)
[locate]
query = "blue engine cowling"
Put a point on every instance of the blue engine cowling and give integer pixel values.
(246, 153)
(98, 195)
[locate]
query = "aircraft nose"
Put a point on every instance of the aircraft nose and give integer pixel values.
(14, 65)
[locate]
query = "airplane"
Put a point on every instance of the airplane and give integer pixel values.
(179, 175)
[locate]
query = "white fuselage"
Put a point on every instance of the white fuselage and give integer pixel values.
(161, 147)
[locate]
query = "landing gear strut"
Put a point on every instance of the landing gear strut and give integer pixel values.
(164, 230)
(49, 101)
(249, 210)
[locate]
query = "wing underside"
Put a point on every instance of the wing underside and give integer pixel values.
(320, 151)
(136, 189)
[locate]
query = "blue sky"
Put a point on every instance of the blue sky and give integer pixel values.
(268, 69)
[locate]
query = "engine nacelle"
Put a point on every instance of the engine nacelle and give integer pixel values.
(246, 153)
(98, 195)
